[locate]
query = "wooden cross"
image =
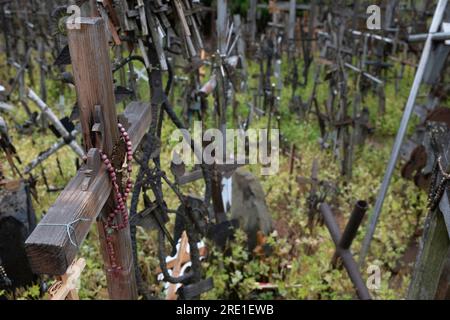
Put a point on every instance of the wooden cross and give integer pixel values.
(178, 263)
(181, 258)
(54, 243)
(65, 288)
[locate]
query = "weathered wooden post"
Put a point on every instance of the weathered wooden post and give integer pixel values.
(430, 272)
(92, 72)
(430, 279)
(89, 195)
(251, 20)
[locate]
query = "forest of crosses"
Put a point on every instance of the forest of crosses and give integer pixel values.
(224, 150)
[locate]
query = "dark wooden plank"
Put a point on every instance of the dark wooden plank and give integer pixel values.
(434, 247)
(443, 290)
(433, 254)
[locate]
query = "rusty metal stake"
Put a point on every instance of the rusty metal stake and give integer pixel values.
(343, 244)
(351, 228)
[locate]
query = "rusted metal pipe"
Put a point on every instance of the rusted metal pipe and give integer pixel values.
(351, 228)
(353, 224)
(345, 254)
(437, 36)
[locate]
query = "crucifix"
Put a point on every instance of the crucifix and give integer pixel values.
(65, 288)
(178, 264)
(91, 195)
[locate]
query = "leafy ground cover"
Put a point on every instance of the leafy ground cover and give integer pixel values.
(299, 267)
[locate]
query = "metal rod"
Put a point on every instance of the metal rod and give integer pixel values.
(56, 122)
(291, 20)
(371, 35)
(353, 224)
(351, 229)
(47, 153)
(437, 18)
(365, 74)
(345, 254)
(438, 36)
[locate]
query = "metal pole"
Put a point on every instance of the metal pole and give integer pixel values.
(251, 19)
(221, 25)
(353, 224)
(47, 153)
(372, 35)
(365, 74)
(437, 18)
(56, 122)
(291, 20)
(438, 36)
(345, 254)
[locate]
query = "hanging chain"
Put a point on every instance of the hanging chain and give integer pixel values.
(437, 188)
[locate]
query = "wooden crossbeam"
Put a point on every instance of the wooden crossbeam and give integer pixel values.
(49, 248)
(55, 241)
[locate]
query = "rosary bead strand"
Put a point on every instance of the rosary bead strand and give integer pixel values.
(120, 199)
(437, 191)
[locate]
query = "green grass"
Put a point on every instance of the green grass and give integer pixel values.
(300, 264)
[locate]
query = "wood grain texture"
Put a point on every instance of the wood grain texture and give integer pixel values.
(66, 287)
(434, 249)
(433, 254)
(49, 248)
(443, 290)
(93, 78)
